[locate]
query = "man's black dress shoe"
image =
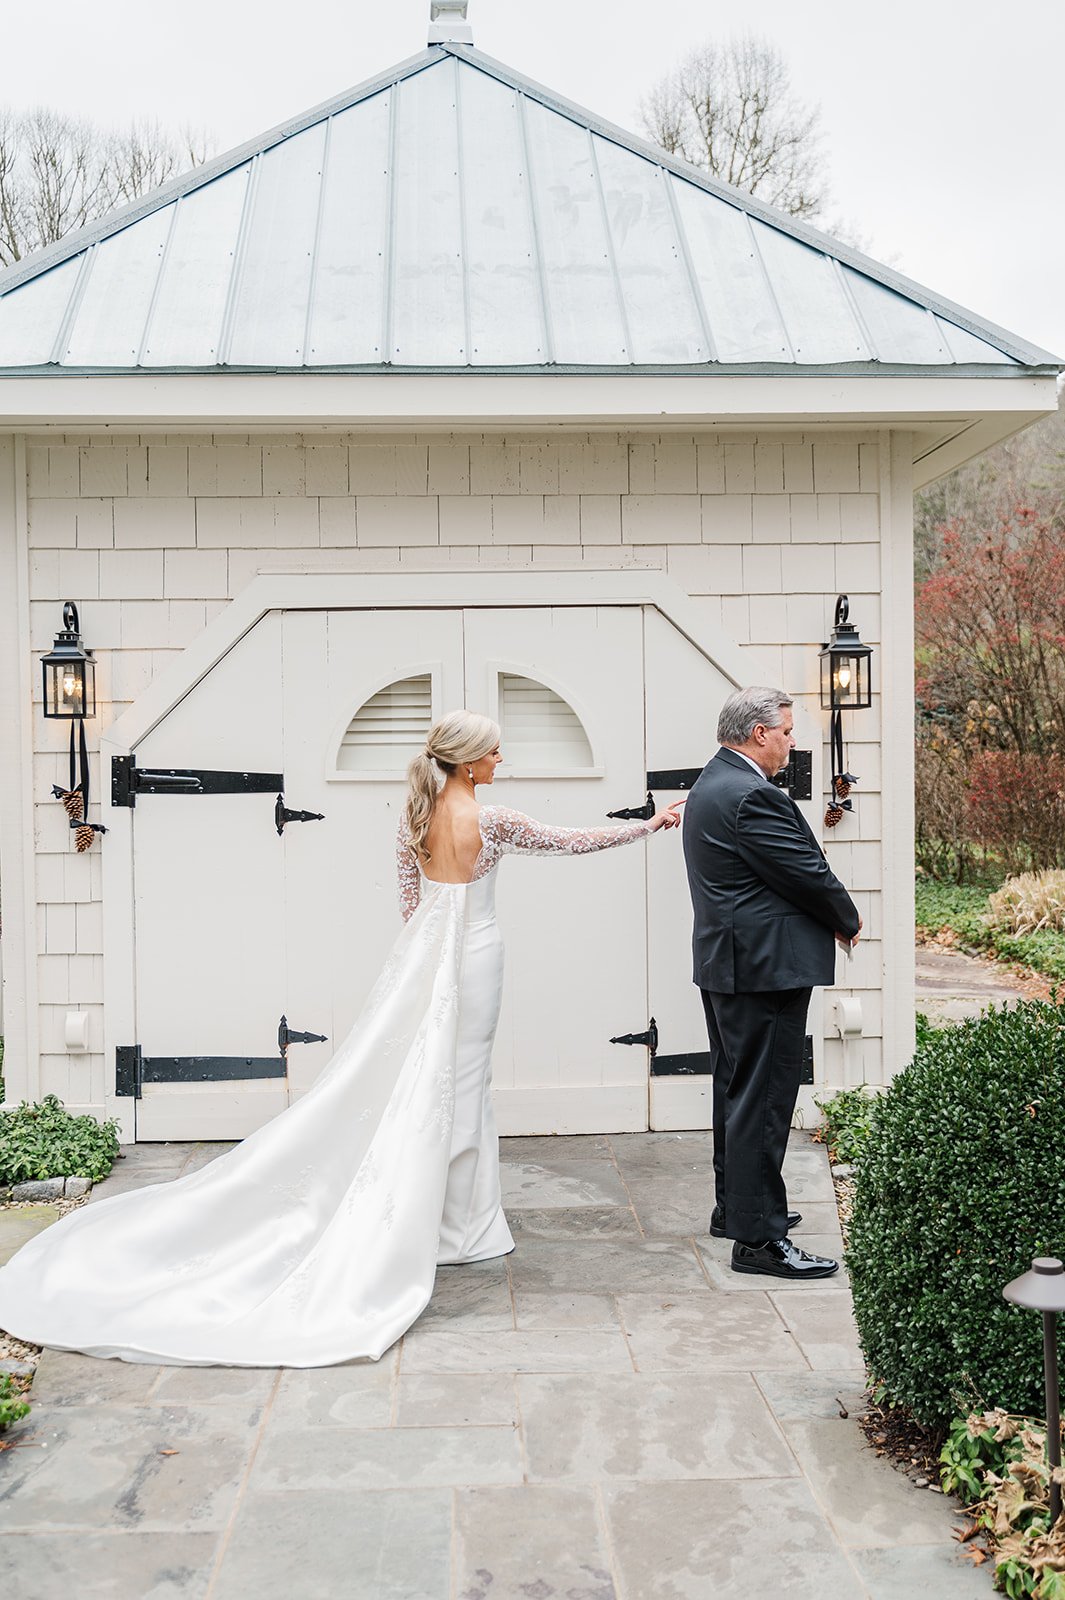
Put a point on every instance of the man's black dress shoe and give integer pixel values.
(779, 1258)
(717, 1222)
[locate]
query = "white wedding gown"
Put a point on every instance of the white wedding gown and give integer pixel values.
(317, 1239)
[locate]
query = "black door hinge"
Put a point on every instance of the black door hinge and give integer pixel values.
(807, 1073)
(798, 776)
(133, 1069)
(128, 781)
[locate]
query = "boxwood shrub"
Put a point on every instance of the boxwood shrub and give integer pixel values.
(48, 1141)
(960, 1183)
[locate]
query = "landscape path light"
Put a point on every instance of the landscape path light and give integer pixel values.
(1043, 1289)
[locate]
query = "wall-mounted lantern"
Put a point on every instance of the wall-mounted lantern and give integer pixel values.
(70, 694)
(69, 672)
(846, 685)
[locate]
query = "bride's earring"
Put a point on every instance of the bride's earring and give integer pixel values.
(469, 773)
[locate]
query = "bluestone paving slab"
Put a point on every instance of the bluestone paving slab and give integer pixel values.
(545, 1148)
(122, 1181)
(726, 1541)
(576, 1222)
(149, 1468)
(869, 1503)
(539, 1541)
(823, 1324)
(797, 1396)
(940, 1572)
(66, 1379)
(331, 1544)
(456, 1400)
(475, 1296)
(562, 1183)
(607, 1266)
(338, 1397)
(207, 1386)
(668, 1206)
(108, 1566)
(385, 1458)
(538, 1350)
(649, 1426)
(20, 1224)
(564, 1309)
(706, 1333)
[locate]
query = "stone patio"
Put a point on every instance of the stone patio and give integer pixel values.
(608, 1414)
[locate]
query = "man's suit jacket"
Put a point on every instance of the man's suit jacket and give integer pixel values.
(767, 905)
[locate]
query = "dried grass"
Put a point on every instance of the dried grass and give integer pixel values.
(1029, 903)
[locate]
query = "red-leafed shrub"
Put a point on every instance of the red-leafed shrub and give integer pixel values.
(1016, 805)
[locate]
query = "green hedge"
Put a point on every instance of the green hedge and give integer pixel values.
(960, 1183)
(47, 1141)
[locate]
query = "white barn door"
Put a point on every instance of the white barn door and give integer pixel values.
(209, 939)
(575, 929)
(567, 685)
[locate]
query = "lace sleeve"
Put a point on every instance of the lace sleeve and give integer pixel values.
(510, 832)
(410, 883)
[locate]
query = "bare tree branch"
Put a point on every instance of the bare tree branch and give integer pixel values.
(729, 109)
(58, 173)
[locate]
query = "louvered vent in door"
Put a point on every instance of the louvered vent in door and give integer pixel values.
(541, 733)
(389, 730)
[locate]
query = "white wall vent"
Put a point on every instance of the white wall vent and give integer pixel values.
(389, 730)
(541, 732)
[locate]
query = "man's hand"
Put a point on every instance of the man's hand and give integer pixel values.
(846, 943)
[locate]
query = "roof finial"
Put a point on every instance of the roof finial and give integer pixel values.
(448, 24)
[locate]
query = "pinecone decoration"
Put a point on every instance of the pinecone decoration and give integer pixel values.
(833, 814)
(841, 786)
(83, 837)
(73, 802)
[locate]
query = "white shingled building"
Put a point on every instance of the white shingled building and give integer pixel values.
(446, 392)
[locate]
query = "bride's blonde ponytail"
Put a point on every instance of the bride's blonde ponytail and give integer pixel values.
(458, 737)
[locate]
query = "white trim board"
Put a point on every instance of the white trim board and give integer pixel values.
(454, 401)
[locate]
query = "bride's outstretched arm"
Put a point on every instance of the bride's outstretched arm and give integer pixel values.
(507, 831)
(410, 883)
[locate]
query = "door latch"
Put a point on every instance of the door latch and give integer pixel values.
(642, 813)
(648, 1039)
(287, 1036)
(282, 815)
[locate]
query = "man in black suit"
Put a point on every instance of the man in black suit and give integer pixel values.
(768, 915)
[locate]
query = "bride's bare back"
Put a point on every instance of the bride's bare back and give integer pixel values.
(453, 839)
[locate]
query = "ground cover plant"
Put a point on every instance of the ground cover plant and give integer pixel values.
(47, 1141)
(12, 1405)
(960, 1184)
(963, 909)
(997, 1464)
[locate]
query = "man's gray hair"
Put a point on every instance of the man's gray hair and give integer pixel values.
(746, 708)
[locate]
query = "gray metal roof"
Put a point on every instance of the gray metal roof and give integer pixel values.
(448, 215)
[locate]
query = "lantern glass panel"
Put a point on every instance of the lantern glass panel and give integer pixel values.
(69, 688)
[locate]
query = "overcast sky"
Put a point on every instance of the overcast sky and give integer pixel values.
(943, 121)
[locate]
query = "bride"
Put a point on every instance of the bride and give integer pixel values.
(317, 1239)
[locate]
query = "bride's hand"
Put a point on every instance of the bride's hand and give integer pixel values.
(669, 818)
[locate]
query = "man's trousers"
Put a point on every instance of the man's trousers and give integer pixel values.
(756, 1048)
